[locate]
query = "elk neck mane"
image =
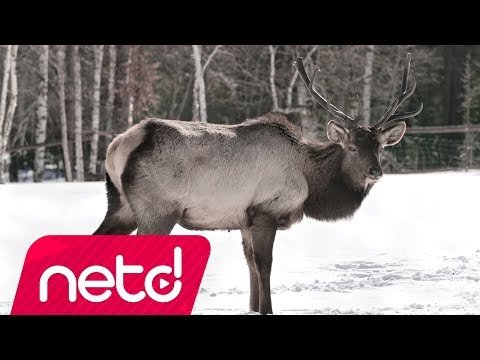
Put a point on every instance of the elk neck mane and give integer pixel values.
(331, 196)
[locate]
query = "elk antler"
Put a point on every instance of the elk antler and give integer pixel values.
(347, 120)
(390, 118)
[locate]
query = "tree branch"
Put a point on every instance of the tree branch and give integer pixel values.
(209, 59)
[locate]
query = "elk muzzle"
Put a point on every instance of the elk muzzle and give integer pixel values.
(374, 174)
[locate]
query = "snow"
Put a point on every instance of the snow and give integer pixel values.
(412, 248)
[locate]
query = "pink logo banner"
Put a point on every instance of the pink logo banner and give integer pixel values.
(111, 275)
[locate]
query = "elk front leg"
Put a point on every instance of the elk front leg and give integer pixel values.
(263, 229)
(248, 250)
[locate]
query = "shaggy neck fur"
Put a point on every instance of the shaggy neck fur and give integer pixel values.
(331, 196)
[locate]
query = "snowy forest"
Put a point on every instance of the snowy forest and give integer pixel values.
(60, 105)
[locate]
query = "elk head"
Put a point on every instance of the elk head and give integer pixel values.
(363, 145)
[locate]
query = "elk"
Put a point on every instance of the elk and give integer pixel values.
(258, 176)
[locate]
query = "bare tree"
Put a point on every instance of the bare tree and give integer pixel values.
(97, 72)
(308, 120)
(199, 92)
(63, 113)
(112, 62)
(238, 86)
(471, 91)
(42, 110)
(196, 100)
(6, 75)
(273, 89)
(199, 95)
(367, 85)
(5, 134)
(77, 80)
(129, 87)
(3, 97)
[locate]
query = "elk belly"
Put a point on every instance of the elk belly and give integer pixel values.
(202, 218)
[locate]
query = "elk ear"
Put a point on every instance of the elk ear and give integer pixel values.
(336, 132)
(393, 135)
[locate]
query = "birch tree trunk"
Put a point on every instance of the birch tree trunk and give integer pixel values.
(10, 112)
(468, 97)
(129, 87)
(41, 127)
(78, 113)
(3, 98)
(112, 61)
(63, 113)
(273, 88)
(3, 95)
(97, 78)
(199, 84)
(196, 104)
(367, 85)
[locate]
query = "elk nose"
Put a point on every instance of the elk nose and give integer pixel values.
(375, 172)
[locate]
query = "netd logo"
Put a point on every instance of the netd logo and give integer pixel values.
(111, 274)
(118, 281)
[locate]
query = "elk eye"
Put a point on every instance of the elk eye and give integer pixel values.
(352, 149)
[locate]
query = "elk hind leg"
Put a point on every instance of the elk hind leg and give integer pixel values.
(119, 218)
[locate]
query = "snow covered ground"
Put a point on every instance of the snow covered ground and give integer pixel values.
(412, 248)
